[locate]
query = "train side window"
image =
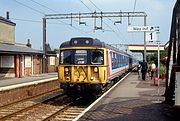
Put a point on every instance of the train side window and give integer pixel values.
(112, 55)
(97, 57)
(115, 55)
(121, 60)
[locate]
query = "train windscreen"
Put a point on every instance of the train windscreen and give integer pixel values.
(89, 56)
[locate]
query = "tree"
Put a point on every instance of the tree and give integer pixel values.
(154, 56)
(48, 48)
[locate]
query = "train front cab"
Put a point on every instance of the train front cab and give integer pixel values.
(82, 68)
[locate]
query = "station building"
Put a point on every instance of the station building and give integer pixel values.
(17, 60)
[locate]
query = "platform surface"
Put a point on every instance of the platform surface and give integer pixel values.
(132, 100)
(14, 81)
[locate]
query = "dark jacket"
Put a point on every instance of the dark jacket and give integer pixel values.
(144, 66)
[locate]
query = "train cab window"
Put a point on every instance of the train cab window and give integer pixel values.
(97, 57)
(66, 57)
(115, 55)
(80, 57)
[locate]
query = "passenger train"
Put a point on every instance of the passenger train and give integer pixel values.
(87, 64)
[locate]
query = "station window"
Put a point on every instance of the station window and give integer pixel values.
(7, 61)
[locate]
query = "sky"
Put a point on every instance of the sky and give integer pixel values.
(28, 14)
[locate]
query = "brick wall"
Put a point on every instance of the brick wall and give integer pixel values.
(28, 71)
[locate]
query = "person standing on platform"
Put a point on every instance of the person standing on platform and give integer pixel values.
(139, 69)
(162, 71)
(153, 70)
(144, 68)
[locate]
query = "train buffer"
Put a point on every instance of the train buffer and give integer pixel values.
(131, 100)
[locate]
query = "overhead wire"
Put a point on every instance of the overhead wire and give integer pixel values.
(44, 6)
(134, 9)
(59, 20)
(104, 22)
(29, 7)
(34, 21)
(108, 19)
(91, 11)
(44, 13)
(26, 20)
(95, 5)
(62, 21)
(85, 5)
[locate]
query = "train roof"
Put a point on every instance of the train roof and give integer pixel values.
(88, 41)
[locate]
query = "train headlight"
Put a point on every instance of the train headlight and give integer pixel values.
(95, 69)
(87, 41)
(66, 69)
(75, 42)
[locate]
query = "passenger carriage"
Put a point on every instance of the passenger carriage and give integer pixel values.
(89, 64)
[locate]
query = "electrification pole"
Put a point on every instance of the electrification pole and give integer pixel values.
(145, 23)
(44, 46)
(158, 42)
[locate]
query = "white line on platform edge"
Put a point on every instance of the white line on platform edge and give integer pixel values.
(89, 107)
(26, 84)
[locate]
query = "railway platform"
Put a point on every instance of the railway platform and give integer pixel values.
(15, 89)
(4, 82)
(131, 100)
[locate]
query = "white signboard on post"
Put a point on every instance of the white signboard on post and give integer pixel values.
(141, 28)
(151, 36)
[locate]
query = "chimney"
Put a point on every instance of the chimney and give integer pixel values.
(7, 15)
(28, 43)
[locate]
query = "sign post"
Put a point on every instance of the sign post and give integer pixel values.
(158, 42)
(141, 28)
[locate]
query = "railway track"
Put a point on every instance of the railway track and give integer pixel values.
(56, 107)
(34, 97)
(21, 109)
(67, 113)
